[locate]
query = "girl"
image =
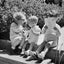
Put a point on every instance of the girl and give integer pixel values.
(17, 29)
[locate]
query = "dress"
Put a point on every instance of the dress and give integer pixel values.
(34, 34)
(16, 34)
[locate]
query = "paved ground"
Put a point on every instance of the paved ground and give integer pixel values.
(8, 59)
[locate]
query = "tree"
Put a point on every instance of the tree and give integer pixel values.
(30, 7)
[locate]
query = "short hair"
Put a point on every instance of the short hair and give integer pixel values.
(52, 13)
(34, 17)
(19, 16)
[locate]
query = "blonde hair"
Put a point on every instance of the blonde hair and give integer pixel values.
(33, 17)
(22, 15)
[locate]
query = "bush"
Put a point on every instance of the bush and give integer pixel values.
(30, 7)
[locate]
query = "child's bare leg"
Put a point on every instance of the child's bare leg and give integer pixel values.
(36, 54)
(15, 43)
(30, 48)
(43, 53)
(21, 43)
(47, 46)
(24, 46)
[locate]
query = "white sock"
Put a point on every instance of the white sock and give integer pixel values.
(13, 47)
(22, 51)
(19, 47)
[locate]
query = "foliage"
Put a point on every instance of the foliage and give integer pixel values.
(30, 7)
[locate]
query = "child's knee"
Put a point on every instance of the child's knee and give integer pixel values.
(15, 43)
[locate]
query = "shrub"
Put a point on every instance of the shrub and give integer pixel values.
(30, 7)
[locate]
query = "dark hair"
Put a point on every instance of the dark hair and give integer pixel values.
(50, 15)
(18, 17)
(56, 15)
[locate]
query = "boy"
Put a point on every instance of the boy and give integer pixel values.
(33, 33)
(52, 34)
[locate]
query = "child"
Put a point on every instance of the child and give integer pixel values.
(33, 33)
(52, 34)
(16, 30)
(25, 44)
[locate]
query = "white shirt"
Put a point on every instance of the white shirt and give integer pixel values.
(15, 32)
(34, 34)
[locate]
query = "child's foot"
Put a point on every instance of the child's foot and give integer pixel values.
(13, 48)
(22, 53)
(27, 52)
(32, 53)
(41, 55)
(34, 57)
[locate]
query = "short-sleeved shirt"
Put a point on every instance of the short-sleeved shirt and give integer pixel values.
(34, 34)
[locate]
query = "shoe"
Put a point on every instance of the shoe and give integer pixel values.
(31, 53)
(34, 57)
(39, 61)
(31, 58)
(21, 54)
(25, 56)
(41, 55)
